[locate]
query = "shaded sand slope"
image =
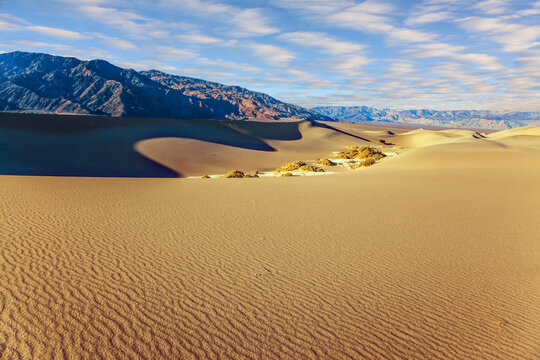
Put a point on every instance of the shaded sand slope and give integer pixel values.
(386, 262)
(103, 146)
(290, 141)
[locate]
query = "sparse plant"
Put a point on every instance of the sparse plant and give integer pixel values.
(253, 174)
(287, 174)
(234, 174)
(365, 162)
(345, 155)
(325, 162)
(295, 165)
(311, 168)
(382, 141)
(369, 152)
(205, 177)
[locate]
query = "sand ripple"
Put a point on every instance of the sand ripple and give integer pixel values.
(425, 264)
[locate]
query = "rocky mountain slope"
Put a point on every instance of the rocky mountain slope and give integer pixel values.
(249, 104)
(483, 119)
(42, 83)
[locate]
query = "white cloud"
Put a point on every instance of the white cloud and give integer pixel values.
(492, 6)
(116, 43)
(173, 53)
(197, 38)
(272, 54)
(230, 65)
(322, 41)
(434, 50)
(483, 61)
(56, 32)
(246, 21)
(321, 7)
(251, 22)
(351, 65)
(368, 16)
(8, 26)
(427, 17)
(513, 37)
(398, 69)
(409, 35)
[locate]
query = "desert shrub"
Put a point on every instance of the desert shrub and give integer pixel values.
(369, 152)
(311, 168)
(365, 162)
(287, 174)
(357, 152)
(325, 162)
(253, 174)
(205, 177)
(234, 174)
(291, 166)
(382, 141)
(346, 154)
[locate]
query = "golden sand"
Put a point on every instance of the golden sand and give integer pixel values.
(432, 254)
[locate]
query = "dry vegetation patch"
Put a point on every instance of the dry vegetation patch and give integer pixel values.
(234, 174)
(363, 152)
(295, 165)
(298, 165)
(364, 163)
(325, 162)
(311, 168)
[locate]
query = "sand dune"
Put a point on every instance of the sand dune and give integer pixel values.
(432, 254)
(307, 141)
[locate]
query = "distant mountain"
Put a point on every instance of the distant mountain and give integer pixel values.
(248, 104)
(42, 83)
(482, 119)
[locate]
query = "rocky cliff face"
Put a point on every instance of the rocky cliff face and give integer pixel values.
(248, 104)
(44, 83)
(483, 119)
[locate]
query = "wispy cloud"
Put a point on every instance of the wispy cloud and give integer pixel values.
(429, 53)
(323, 42)
(246, 22)
(320, 7)
(272, 54)
(369, 16)
(56, 32)
(514, 37)
(116, 43)
(495, 7)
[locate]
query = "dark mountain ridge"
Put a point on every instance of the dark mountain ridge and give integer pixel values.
(42, 83)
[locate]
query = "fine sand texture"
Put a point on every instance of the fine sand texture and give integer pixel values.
(430, 254)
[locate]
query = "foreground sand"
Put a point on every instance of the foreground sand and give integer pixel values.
(433, 254)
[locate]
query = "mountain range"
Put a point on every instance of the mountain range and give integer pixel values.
(49, 84)
(481, 119)
(43, 83)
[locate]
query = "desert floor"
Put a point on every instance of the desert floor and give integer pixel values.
(430, 254)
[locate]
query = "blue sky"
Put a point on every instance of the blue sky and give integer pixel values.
(441, 54)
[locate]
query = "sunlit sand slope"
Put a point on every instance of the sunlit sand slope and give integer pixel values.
(378, 264)
(286, 142)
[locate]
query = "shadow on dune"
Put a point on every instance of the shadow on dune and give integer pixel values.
(76, 145)
(326, 126)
